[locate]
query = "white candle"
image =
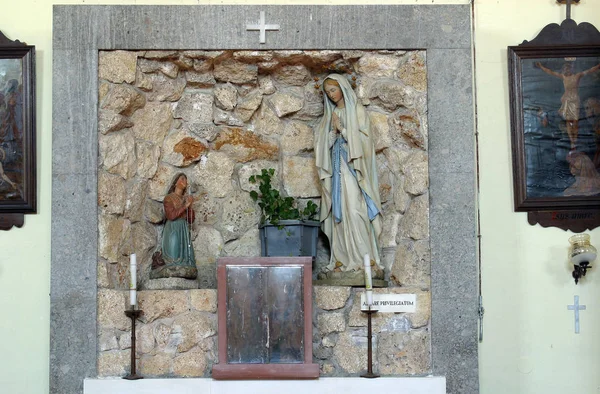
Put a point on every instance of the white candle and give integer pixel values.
(368, 280)
(133, 279)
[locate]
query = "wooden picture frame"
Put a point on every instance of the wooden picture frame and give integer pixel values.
(555, 126)
(265, 318)
(17, 132)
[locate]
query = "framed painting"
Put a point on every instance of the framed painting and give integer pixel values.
(555, 125)
(17, 132)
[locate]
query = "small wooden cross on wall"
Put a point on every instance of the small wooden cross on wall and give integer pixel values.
(262, 27)
(568, 3)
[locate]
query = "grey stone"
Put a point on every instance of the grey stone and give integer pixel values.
(195, 107)
(203, 66)
(253, 56)
(416, 173)
(413, 71)
(159, 304)
(395, 323)
(313, 104)
(117, 154)
(412, 265)
(134, 203)
(206, 131)
(406, 128)
(379, 124)
(200, 80)
(246, 107)
(117, 66)
(202, 54)
(204, 300)
(328, 323)
(255, 168)
(153, 211)
(109, 121)
(296, 75)
(107, 340)
(221, 117)
(234, 71)
(300, 177)
(156, 365)
(207, 208)
(166, 67)
(113, 363)
(392, 95)
(111, 305)
(322, 57)
(190, 364)
(161, 55)
(194, 327)
(378, 66)
(350, 352)
(171, 284)
(207, 245)
(153, 122)
(143, 81)
(165, 88)
(214, 174)
(159, 185)
(226, 96)
(183, 62)
(266, 85)
(415, 223)
(148, 154)
(266, 121)
(247, 245)
(111, 193)
(331, 298)
(239, 215)
(286, 103)
(297, 137)
(111, 231)
(123, 99)
(390, 230)
(404, 353)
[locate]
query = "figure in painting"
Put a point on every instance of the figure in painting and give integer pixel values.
(176, 256)
(570, 102)
(3, 177)
(592, 112)
(350, 203)
(587, 178)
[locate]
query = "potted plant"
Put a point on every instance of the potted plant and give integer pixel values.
(285, 230)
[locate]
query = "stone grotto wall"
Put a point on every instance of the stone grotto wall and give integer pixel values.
(219, 117)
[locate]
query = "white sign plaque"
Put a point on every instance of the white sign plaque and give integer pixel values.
(391, 303)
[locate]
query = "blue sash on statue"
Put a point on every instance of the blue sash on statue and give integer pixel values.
(339, 153)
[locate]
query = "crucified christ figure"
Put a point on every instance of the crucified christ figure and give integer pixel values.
(570, 102)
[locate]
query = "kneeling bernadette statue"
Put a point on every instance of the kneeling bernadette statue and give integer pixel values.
(347, 168)
(176, 256)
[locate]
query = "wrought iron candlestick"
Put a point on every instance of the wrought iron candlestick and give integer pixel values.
(133, 314)
(369, 373)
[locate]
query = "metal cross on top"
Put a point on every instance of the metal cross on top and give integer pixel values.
(576, 307)
(262, 27)
(568, 3)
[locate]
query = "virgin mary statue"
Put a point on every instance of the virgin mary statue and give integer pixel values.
(350, 203)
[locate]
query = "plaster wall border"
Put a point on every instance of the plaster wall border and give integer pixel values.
(444, 31)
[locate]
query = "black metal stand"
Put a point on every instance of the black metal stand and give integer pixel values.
(580, 270)
(133, 314)
(369, 373)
